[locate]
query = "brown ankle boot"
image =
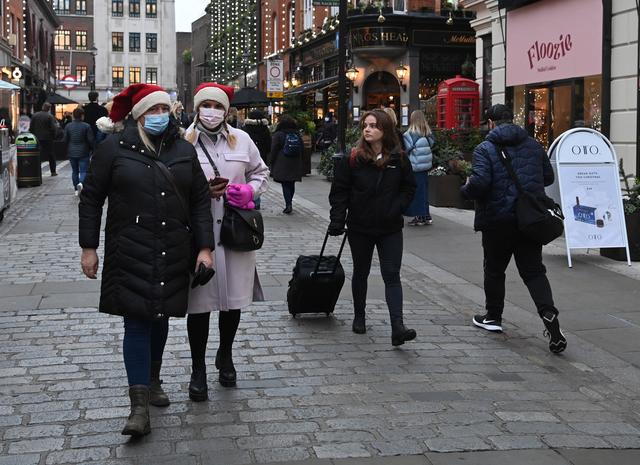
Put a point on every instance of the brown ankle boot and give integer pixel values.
(157, 396)
(138, 423)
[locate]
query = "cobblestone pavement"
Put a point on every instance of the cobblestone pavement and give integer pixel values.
(309, 389)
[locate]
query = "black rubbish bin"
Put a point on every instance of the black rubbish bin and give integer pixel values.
(29, 170)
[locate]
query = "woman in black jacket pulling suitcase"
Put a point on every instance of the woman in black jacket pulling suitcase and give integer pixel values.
(371, 188)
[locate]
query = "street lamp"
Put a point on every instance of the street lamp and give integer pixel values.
(401, 72)
(352, 75)
(245, 63)
(295, 80)
(94, 52)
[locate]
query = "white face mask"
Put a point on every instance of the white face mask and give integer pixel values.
(211, 117)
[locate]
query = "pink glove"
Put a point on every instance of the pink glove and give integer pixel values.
(240, 195)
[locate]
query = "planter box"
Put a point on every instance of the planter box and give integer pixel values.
(633, 234)
(444, 191)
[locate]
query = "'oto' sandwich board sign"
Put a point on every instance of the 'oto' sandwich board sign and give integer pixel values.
(587, 187)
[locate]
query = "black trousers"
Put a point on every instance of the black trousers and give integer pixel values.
(390, 255)
(499, 245)
(47, 154)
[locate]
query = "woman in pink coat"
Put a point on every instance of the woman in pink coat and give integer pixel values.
(243, 176)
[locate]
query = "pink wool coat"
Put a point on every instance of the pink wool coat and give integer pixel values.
(235, 284)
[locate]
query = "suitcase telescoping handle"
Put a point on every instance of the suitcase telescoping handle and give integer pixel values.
(324, 244)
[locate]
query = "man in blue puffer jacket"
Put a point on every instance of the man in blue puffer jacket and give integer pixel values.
(496, 195)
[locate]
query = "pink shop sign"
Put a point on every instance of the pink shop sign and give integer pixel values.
(554, 39)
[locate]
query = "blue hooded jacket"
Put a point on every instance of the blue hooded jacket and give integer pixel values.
(490, 184)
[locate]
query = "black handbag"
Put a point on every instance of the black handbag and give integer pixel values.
(241, 230)
(539, 218)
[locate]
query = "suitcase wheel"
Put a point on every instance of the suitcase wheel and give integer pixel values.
(328, 314)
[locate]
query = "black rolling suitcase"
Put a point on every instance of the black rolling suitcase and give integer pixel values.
(316, 283)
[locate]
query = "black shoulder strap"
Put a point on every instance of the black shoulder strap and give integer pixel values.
(169, 175)
(506, 160)
(206, 152)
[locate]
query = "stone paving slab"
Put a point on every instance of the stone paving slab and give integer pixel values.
(309, 390)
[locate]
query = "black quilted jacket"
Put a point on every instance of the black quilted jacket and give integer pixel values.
(490, 184)
(147, 241)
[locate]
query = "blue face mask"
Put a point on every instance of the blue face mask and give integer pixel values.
(156, 124)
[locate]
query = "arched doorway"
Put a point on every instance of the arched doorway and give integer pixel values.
(381, 89)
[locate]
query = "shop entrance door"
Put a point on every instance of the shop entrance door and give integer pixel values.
(381, 89)
(549, 112)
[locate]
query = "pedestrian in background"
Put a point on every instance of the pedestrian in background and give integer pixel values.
(286, 159)
(394, 119)
(327, 135)
(232, 163)
(233, 118)
(496, 195)
(418, 143)
(149, 234)
(44, 126)
(257, 126)
(93, 111)
(78, 136)
(371, 188)
(180, 115)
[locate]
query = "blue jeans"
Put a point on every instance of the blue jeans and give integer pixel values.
(79, 168)
(420, 204)
(288, 189)
(143, 343)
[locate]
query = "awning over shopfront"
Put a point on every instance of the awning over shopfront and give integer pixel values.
(57, 99)
(4, 85)
(313, 86)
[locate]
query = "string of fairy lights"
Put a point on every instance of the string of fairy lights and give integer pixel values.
(232, 34)
(17, 32)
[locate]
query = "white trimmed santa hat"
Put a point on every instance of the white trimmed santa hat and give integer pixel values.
(135, 99)
(213, 91)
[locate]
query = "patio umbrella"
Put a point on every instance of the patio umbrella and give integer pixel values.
(249, 97)
(57, 99)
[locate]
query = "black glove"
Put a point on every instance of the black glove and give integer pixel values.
(202, 276)
(336, 230)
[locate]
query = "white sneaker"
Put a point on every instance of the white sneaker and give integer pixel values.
(79, 188)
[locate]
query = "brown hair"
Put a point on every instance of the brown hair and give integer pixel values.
(78, 113)
(363, 150)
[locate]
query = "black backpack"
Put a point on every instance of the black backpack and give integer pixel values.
(292, 145)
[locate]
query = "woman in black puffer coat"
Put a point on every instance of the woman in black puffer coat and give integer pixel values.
(147, 235)
(371, 188)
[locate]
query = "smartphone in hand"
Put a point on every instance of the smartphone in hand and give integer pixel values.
(218, 180)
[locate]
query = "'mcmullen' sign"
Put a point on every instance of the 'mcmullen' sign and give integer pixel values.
(542, 45)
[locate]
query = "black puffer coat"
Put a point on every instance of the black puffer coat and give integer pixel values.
(369, 199)
(283, 168)
(147, 240)
(490, 184)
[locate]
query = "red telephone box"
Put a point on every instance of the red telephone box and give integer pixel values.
(458, 104)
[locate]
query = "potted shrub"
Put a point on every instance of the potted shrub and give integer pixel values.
(325, 167)
(631, 204)
(450, 171)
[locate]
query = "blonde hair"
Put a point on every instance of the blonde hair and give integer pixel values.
(177, 105)
(191, 135)
(418, 124)
(392, 114)
(144, 137)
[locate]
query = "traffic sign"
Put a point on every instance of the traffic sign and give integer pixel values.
(275, 79)
(69, 82)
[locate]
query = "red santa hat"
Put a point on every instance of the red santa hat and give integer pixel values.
(213, 91)
(137, 99)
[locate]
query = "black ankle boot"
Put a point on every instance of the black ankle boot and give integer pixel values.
(198, 389)
(359, 326)
(227, 373)
(400, 334)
